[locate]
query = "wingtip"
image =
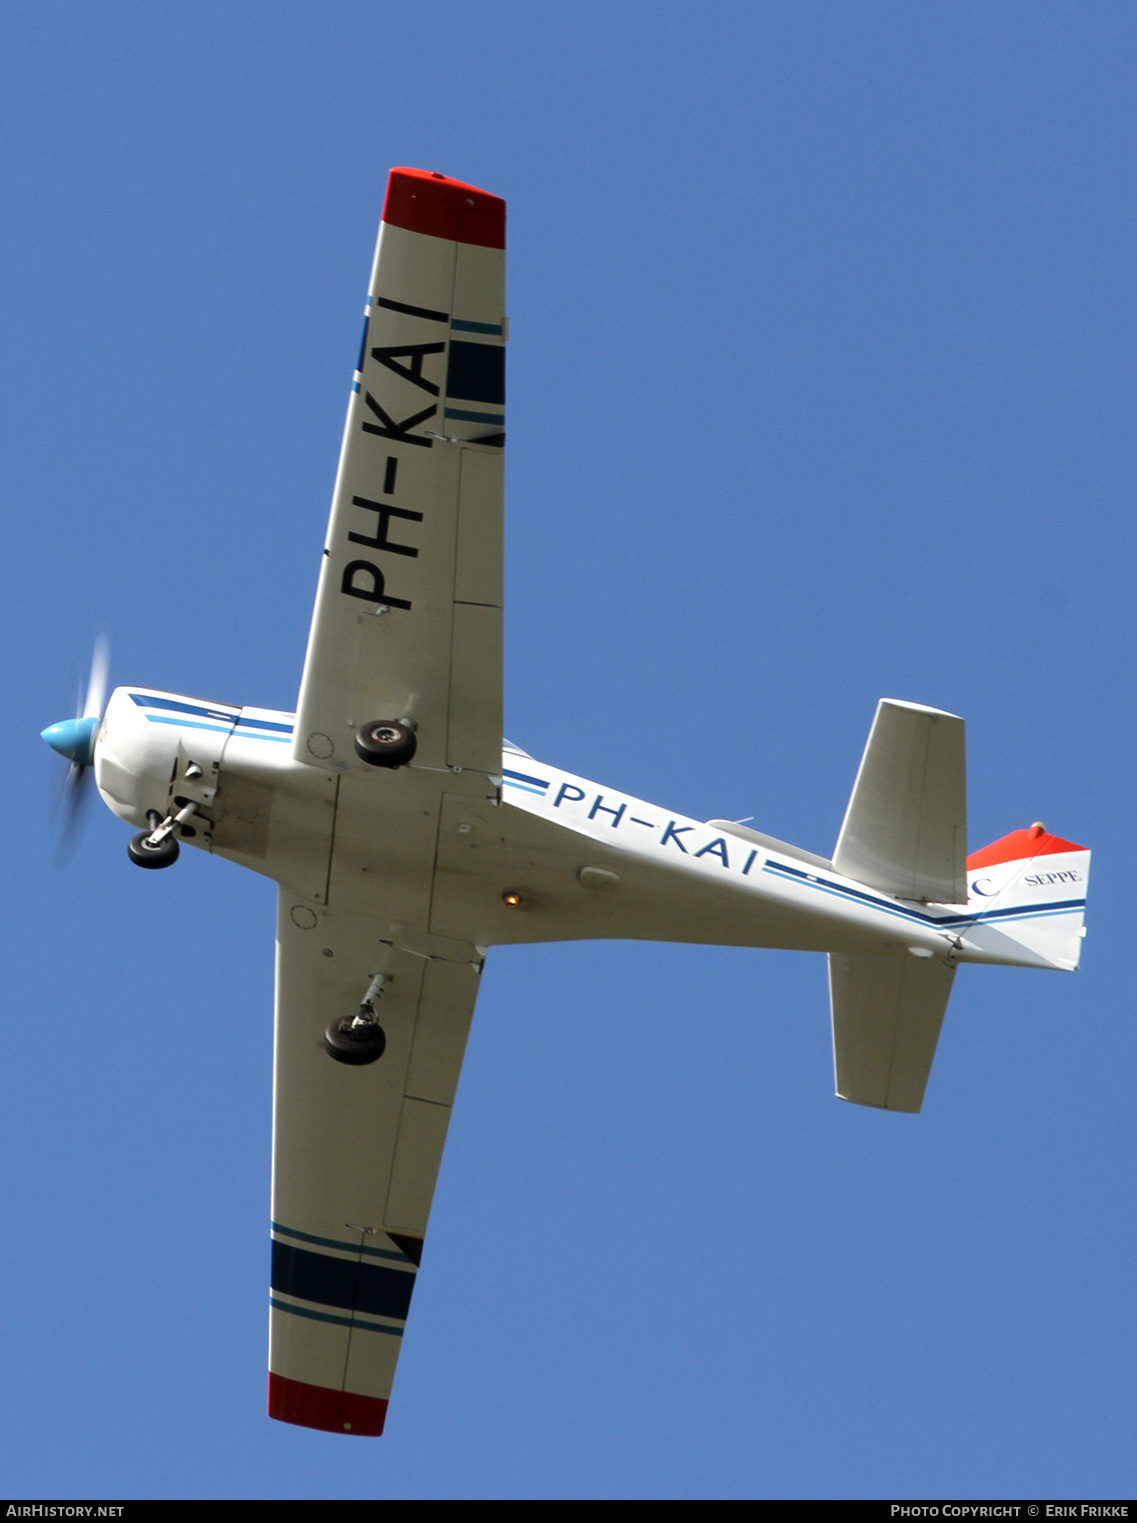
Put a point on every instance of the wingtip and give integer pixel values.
(309, 1406)
(424, 201)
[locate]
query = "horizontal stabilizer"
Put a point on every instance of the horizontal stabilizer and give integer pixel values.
(887, 1012)
(771, 843)
(905, 830)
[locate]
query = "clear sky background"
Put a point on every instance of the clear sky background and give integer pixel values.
(822, 388)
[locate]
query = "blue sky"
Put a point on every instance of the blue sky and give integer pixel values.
(821, 389)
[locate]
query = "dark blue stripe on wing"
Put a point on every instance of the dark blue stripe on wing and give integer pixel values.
(346, 1283)
(476, 372)
(335, 1242)
(464, 326)
(324, 1316)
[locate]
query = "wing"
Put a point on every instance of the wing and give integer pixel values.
(408, 612)
(356, 1152)
(407, 626)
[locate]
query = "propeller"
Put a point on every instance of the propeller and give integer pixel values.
(74, 739)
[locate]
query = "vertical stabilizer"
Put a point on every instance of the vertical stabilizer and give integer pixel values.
(1027, 892)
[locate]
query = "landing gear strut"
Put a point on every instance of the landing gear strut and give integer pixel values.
(359, 1039)
(158, 846)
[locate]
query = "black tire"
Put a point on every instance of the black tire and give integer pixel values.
(385, 743)
(355, 1045)
(165, 854)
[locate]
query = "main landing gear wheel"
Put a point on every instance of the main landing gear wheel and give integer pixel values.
(142, 854)
(385, 743)
(354, 1041)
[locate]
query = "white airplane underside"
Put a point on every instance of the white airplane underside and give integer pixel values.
(406, 841)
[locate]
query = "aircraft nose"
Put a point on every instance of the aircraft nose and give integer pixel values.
(73, 738)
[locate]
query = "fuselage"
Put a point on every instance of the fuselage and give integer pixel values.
(532, 853)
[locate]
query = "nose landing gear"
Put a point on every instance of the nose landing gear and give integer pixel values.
(143, 853)
(158, 846)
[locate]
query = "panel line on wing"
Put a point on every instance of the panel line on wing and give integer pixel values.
(331, 1242)
(332, 839)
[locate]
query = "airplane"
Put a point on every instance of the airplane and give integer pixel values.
(406, 838)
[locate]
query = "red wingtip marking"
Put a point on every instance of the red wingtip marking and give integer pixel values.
(1019, 846)
(430, 203)
(293, 1401)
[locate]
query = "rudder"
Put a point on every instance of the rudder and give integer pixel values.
(1027, 892)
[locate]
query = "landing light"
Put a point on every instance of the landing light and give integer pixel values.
(512, 899)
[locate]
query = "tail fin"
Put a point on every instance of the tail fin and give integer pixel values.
(1027, 892)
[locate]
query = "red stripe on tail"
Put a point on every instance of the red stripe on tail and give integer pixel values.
(293, 1401)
